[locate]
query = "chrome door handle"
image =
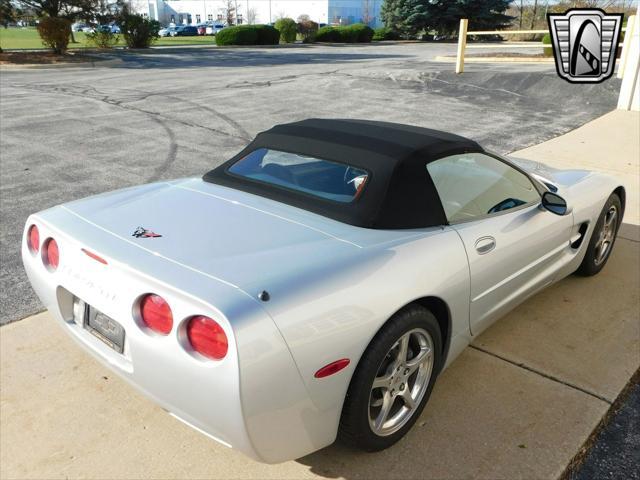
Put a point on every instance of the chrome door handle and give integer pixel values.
(485, 245)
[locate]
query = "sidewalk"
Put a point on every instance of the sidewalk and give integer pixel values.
(609, 144)
(519, 403)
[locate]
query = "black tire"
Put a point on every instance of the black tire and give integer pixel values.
(593, 262)
(355, 429)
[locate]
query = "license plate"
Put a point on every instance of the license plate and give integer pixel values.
(104, 328)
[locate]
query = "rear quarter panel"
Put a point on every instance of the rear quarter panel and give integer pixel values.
(334, 312)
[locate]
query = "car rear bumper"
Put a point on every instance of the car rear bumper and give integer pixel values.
(253, 400)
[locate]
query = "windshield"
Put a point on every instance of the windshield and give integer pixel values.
(334, 181)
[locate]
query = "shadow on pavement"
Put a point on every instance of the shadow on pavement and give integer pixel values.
(172, 58)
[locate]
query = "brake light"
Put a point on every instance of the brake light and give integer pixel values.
(156, 313)
(50, 254)
(33, 239)
(207, 337)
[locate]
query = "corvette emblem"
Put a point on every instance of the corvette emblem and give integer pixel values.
(585, 43)
(142, 232)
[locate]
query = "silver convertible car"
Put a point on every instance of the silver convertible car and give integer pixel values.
(314, 286)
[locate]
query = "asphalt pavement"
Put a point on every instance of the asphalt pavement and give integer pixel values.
(615, 451)
(144, 116)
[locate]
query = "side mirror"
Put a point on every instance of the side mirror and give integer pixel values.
(554, 203)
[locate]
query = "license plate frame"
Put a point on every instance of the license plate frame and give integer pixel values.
(104, 328)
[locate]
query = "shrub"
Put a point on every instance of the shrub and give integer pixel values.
(240, 35)
(546, 40)
(55, 33)
(384, 33)
(307, 30)
(139, 32)
(267, 35)
(356, 33)
(103, 38)
(359, 33)
(328, 34)
(248, 35)
(287, 28)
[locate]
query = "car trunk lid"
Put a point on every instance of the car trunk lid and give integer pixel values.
(211, 232)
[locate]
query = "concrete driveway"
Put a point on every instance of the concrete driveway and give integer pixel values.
(520, 403)
(72, 132)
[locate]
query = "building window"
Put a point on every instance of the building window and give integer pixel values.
(210, 17)
(180, 19)
(197, 18)
(173, 19)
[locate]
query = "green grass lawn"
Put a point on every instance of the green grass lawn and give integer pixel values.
(27, 38)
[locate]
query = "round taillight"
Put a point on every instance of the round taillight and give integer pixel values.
(33, 239)
(207, 337)
(156, 313)
(50, 254)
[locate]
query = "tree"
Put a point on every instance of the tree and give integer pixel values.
(534, 13)
(366, 12)
(287, 28)
(229, 11)
(410, 17)
(252, 16)
(407, 17)
(138, 31)
(102, 11)
(485, 14)
(7, 13)
(55, 32)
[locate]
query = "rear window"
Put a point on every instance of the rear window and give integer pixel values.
(334, 181)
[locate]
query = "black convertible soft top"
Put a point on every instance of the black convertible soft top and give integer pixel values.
(399, 193)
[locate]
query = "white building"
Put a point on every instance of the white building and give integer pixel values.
(185, 12)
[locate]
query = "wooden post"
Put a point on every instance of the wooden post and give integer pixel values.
(626, 45)
(462, 43)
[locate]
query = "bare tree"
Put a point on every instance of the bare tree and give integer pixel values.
(534, 14)
(366, 12)
(229, 11)
(252, 16)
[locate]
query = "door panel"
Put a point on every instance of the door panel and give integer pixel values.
(511, 256)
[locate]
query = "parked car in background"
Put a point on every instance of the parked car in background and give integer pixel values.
(78, 27)
(113, 28)
(202, 28)
(167, 31)
(185, 31)
(213, 29)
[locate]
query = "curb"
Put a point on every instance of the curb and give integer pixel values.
(449, 59)
(34, 66)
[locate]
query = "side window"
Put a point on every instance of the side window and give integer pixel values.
(473, 185)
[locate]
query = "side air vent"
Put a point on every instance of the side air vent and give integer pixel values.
(577, 239)
(551, 187)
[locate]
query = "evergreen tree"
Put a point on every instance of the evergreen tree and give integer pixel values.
(410, 17)
(406, 17)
